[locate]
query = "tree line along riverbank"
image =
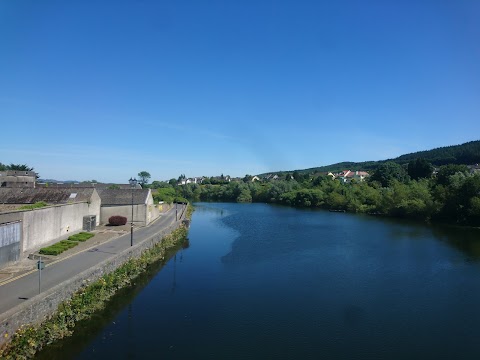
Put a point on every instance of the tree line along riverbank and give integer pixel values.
(451, 195)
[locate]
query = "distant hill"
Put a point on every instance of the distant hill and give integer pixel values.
(53, 181)
(467, 154)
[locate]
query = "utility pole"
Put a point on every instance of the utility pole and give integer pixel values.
(40, 267)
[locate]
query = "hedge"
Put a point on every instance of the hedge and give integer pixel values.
(117, 220)
(83, 236)
(58, 248)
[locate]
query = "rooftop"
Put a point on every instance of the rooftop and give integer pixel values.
(49, 195)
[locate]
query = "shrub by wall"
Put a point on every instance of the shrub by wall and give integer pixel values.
(37, 205)
(58, 248)
(83, 236)
(117, 220)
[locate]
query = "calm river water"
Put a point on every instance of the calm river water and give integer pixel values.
(268, 282)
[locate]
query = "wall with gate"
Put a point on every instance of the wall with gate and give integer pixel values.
(40, 227)
(10, 242)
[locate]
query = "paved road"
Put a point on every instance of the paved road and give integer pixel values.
(15, 292)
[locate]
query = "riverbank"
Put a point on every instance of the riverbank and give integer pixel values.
(92, 290)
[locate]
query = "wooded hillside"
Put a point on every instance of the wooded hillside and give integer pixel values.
(464, 154)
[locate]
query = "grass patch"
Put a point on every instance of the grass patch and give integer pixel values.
(64, 245)
(58, 248)
(83, 236)
(37, 205)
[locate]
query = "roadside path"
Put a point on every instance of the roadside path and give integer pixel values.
(25, 285)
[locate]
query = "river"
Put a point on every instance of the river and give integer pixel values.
(269, 282)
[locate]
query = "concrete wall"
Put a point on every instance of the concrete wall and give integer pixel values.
(153, 211)
(10, 241)
(17, 179)
(139, 213)
(94, 206)
(44, 225)
(37, 309)
(48, 224)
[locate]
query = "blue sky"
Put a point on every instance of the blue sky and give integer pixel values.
(105, 89)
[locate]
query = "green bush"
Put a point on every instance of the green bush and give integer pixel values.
(37, 205)
(83, 236)
(117, 220)
(58, 248)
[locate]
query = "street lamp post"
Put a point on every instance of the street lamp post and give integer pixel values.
(133, 184)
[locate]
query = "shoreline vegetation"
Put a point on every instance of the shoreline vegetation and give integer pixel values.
(30, 339)
(64, 245)
(451, 195)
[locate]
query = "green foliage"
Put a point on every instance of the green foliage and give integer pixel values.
(64, 245)
(419, 168)
(113, 187)
(244, 197)
(58, 248)
(166, 194)
(388, 172)
(454, 196)
(83, 236)
(19, 167)
(467, 153)
(247, 178)
(446, 171)
(117, 220)
(144, 177)
(37, 205)
(159, 184)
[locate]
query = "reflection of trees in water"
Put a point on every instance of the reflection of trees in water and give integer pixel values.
(263, 238)
(211, 208)
(467, 240)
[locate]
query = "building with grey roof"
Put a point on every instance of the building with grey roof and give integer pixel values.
(119, 202)
(52, 196)
(25, 230)
(86, 185)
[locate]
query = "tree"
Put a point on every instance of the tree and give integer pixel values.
(419, 169)
(144, 177)
(244, 197)
(389, 171)
(19, 167)
(247, 178)
(181, 177)
(159, 184)
(445, 171)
